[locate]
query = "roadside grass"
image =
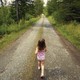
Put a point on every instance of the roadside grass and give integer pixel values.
(14, 31)
(71, 31)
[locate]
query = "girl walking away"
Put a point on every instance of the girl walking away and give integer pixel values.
(40, 52)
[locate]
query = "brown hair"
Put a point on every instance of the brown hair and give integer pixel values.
(41, 44)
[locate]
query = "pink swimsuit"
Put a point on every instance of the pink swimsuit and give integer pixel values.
(41, 55)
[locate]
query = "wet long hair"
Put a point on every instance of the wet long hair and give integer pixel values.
(41, 44)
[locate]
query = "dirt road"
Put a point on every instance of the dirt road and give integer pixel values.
(18, 61)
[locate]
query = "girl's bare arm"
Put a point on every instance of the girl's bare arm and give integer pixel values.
(45, 49)
(36, 51)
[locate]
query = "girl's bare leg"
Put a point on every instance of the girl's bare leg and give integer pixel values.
(39, 64)
(42, 68)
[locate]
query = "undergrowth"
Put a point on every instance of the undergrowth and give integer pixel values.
(70, 31)
(10, 33)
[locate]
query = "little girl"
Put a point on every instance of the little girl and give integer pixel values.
(40, 52)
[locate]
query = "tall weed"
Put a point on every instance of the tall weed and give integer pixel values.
(70, 31)
(9, 33)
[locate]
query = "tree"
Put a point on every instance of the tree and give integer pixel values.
(18, 9)
(25, 9)
(51, 6)
(64, 10)
(1, 2)
(38, 7)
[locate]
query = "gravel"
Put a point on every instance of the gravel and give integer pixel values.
(18, 61)
(14, 60)
(59, 64)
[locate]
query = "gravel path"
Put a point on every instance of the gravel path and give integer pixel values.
(14, 61)
(18, 62)
(59, 64)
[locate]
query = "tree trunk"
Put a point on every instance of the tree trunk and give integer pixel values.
(1, 2)
(17, 10)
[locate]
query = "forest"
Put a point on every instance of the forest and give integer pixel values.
(65, 16)
(16, 17)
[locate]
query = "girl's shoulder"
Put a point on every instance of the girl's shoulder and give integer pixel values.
(45, 49)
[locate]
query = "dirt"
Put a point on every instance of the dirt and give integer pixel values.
(75, 52)
(18, 61)
(61, 63)
(15, 60)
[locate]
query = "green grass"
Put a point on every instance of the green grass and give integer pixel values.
(14, 31)
(7, 29)
(70, 31)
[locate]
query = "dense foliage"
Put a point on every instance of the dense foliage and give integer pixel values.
(65, 15)
(64, 10)
(18, 12)
(26, 9)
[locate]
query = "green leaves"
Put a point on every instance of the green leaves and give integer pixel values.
(64, 10)
(38, 7)
(26, 9)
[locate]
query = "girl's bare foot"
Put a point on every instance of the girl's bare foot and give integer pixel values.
(39, 67)
(42, 76)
